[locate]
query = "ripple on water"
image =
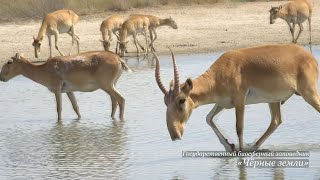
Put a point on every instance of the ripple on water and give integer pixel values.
(34, 145)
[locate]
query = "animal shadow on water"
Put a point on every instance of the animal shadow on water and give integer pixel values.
(95, 144)
(136, 63)
(225, 165)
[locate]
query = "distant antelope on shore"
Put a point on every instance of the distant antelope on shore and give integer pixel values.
(156, 22)
(294, 12)
(55, 23)
(83, 72)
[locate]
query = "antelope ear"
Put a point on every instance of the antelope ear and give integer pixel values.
(10, 61)
(101, 40)
(16, 57)
(188, 85)
(34, 38)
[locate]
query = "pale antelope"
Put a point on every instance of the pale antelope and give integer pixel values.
(110, 25)
(55, 23)
(84, 72)
(265, 74)
(133, 26)
(156, 22)
(294, 12)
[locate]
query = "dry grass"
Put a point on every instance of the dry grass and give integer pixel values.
(19, 9)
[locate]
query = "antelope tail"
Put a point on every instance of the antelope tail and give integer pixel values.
(124, 65)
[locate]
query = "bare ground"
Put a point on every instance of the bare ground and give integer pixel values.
(202, 29)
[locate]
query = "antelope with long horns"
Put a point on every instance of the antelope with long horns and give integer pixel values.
(55, 23)
(265, 74)
(84, 72)
(294, 12)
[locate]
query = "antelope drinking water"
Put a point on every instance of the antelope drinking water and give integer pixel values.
(58, 22)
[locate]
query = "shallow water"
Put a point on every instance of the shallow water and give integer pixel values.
(34, 145)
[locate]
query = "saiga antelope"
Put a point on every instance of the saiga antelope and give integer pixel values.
(84, 72)
(294, 12)
(110, 25)
(265, 74)
(156, 22)
(55, 23)
(133, 26)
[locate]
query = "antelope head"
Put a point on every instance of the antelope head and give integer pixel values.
(172, 23)
(123, 47)
(37, 46)
(12, 68)
(274, 14)
(106, 44)
(177, 99)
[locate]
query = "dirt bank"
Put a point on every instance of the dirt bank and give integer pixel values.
(202, 29)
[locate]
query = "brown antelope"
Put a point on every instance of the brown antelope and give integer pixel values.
(294, 12)
(265, 74)
(58, 22)
(110, 25)
(133, 26)
(84, 72)
(156, 22)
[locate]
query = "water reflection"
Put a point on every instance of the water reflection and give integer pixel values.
(34, 146)
(83, 150)
(227, 168)
(140, 63)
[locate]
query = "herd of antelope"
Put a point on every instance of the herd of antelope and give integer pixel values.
(264, 74)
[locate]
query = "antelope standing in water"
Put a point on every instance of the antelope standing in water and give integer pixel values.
(110, 25)
(156, 22)
(58, 22)
(84, 72)
(294, 12)
(265, 74)
(133, 26)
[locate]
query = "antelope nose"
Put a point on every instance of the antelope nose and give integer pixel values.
(1, 78)
(174, 139)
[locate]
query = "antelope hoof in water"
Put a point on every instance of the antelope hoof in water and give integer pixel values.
(246, 147)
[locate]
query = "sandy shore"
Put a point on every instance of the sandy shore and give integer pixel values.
(202, 29)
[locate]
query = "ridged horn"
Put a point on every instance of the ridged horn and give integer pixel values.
(176, 75)
(157, 75)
